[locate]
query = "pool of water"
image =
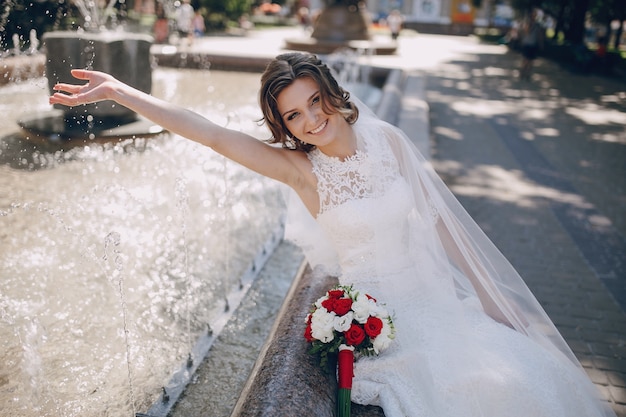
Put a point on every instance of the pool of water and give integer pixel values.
(115, 257)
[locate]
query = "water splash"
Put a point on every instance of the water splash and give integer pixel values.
(54, 220)
(113, 240)
(34, 43)
(30, 334)
(182, 205)
(34, 334)
(96, 17)
(17, 48)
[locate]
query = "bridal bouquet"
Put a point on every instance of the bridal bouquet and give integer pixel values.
(350, 324)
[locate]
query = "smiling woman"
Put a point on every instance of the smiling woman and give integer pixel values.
(471, 339)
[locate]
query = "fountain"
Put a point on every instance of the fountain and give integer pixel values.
(94, 46)
(18, 66)
(341, 24)
(121, 260)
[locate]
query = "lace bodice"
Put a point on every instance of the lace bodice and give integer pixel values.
(366, 174)
(359, 196)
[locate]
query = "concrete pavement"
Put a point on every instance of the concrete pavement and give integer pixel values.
(540, 164)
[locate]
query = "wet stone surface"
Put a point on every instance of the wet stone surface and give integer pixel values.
(221, 377)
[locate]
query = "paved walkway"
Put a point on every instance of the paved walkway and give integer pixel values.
(540, 164)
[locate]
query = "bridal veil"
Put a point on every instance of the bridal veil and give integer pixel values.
(456, 248)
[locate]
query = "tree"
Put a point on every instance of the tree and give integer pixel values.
(559, 11)
(569, 15)
(232, 9)
(575, 32)
(20, 17)
(603, 12)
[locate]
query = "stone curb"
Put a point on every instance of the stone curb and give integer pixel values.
(202, 60)
(285, 380)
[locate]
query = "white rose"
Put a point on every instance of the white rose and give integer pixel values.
(319, 302)
(379, 311)
(362, 308)
(383, 340)
(343, 323)
(322, 325)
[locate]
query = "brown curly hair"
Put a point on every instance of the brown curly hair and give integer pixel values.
(282, 72)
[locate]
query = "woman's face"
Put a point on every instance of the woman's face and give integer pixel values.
(300, 106)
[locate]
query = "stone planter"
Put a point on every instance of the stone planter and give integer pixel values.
(126, 56)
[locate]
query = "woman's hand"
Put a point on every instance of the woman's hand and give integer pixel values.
(100, 86)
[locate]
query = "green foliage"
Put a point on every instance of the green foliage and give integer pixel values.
(570, 15)
(524, 6)
(215, 21)
(230, 9)
(604, 11)
(344, 2)
(20, 16)
(327, 353)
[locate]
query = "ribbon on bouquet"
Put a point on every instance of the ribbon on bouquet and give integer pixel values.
(345, 372)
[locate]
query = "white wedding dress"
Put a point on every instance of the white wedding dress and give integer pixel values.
(449, 358)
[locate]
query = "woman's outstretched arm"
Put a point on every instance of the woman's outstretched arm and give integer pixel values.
(276, 163)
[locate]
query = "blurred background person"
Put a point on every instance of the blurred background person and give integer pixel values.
(184, 17)
(394, 23)
(531, 36)
(198, 25)
(161, 28)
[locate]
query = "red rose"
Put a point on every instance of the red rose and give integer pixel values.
(342, 306)
(307, 333)
(329, 304)
(355, 335)
(373, 326)
(335, 293)
(369, 297)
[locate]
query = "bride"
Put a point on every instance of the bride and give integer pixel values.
(471, 340)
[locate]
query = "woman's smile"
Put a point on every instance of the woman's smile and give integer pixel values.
(319, 128)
